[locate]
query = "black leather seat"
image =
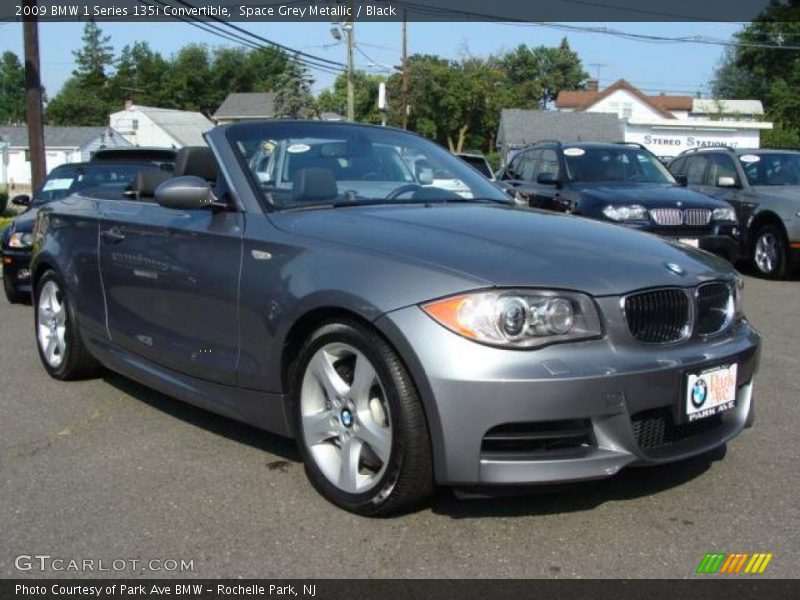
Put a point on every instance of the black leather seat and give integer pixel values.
(314, 185)
(198, 161)
(146, 182)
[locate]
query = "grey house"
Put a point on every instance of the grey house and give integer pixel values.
(520, 127)
(245, 107)
(61, 145)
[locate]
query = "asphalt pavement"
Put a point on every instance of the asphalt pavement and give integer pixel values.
(107, 470)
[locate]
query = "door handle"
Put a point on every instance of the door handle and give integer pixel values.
(112, 236)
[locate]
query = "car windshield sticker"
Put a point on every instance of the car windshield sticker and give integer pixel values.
(574, 152)
(57, 184)
(298, 148)
(749, 158)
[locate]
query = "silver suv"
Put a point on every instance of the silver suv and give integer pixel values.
(764, 188)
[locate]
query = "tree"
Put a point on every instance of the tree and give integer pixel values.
(293, 98)
(84, 99)
(188, 82)
(140, 76)
(12, 89)
(536, 75)
(759, 68)
(366, 97)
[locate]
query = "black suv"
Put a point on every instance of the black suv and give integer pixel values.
(763, 186)
(621, 183)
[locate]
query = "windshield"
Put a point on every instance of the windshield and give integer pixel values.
(69, 179)
(617, 164)
(298, 164)
(771, 169)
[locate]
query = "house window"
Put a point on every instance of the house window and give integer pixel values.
(135, 124)
(27, 156)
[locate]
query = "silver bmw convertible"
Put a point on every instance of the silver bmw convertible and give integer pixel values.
(319, 281)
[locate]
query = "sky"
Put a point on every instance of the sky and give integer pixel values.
(653, 67)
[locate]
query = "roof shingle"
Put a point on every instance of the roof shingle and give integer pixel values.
(519, 127)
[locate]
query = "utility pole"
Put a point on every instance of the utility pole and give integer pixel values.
(351, 96)
(33, 93)
(404, 116)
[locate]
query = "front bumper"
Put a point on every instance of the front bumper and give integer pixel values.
(16, 264)
(611, 385)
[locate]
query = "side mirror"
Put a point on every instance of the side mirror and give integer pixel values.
(547, 179)
(185, 193)
(726, 182)
(21, 200)
(682, 180)
(424, 172)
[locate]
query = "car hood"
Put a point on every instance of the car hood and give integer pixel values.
(500, 246)
(649, 195)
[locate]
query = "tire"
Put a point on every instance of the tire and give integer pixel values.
(13, 295)
(769, 253)
(61, 349)
(378, 419)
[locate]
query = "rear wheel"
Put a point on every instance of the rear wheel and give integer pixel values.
(360, 425)
(769, 252)
(61, 348)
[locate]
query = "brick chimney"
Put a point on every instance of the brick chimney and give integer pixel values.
(592, 85)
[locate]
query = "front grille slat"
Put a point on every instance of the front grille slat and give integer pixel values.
(658, 316)
(696, 216)
(675, 217)
(714, 307)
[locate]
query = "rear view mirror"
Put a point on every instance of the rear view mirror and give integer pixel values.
(424, 172)
(21, 200)
(185, 193)
(726, 182)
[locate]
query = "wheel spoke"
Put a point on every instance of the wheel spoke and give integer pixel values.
(363, 380)
(50, 350)
(379, 438)
(322, 368)
(317, 428)
(348, 471)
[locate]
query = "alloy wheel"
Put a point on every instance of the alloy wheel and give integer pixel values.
(51, 324)
(766, 252)
(345, 418)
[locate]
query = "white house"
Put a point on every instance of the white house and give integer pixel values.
(62, 145)
(667, 125)
(160, 127)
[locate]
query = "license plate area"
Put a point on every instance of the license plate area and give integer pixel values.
(693, 242)
(709, 392)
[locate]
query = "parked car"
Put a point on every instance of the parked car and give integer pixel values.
(763, 186)
(114, 179)
(403, 334)
(623, 184)
(479, 162)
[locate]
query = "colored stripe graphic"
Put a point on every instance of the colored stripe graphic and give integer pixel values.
(759, 562)
(711, 563)
(734, 563)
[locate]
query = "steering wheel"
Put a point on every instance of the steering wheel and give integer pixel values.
(403, 189)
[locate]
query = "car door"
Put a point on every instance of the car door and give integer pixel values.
(171, 282)
(544, 192)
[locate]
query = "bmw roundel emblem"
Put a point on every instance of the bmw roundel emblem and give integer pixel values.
(347, 418)
(699, 393)
(675, 269)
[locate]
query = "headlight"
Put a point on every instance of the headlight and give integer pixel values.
(20, 240)
(724, 214)
(518, 318)
(632, 212)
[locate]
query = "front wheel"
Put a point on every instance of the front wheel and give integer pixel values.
(769, 252)
(61, 349)
(360, 425)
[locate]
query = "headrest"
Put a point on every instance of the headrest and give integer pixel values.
(147, 180)
(196, 160)
(314, 185)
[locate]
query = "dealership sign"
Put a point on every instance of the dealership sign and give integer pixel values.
(673, 143)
